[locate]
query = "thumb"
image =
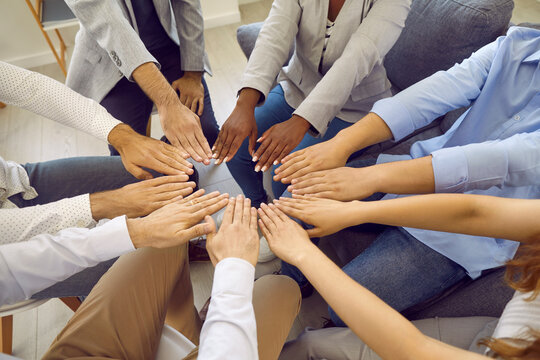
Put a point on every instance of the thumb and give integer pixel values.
(138, 172)
(252, 141)
(199, 230)
(211, 225)
(315, 232)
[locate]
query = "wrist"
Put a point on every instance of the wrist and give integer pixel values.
(136, 231)
(100, 205)
(305, 258)
(120, 135)
(248, 98)
(195, 75)
(303, 123)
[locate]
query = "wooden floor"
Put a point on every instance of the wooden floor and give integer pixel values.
(25, 137)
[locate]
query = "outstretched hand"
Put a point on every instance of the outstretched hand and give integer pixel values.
(237, 237)
(176, 223)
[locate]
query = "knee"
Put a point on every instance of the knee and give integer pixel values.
(283, 287)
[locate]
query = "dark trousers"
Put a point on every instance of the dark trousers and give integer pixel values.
(129, 104)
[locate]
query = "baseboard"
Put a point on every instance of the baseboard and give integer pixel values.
(33, 60)
(222, 19)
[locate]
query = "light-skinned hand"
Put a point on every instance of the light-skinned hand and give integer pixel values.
(326, 155)
(138, 151)
(237, 237)
(327, 216)
(140, 198)
(177, 223)
(285, 237)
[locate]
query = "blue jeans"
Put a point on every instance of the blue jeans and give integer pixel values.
(59, 179)
(274, 111)
(396, 267)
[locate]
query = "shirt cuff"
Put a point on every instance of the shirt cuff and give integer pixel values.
(450, 170)
(253, 82)
(111, 239)
(396, 116)
(234, 275)
(83, 217)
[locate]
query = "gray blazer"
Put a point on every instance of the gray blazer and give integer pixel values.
(352, 75)
(108, 47)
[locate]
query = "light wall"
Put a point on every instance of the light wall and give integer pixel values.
(22, 44)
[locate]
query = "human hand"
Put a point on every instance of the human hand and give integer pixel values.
(191, 91)
(326, 155)
(327, 216)
(278, 141)
(239, 125)
(183, 129)
(140, 198)
(285, 237)
(138, 151)
(344, 184)
(237, 237)
(177, 223)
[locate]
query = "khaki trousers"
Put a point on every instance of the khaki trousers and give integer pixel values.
(123, 316)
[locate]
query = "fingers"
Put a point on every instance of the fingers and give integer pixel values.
(193, 104)
(284, 153)
(252, 141)
(203, 143)
(226, 148)
(271, 213)
(265, 231)
(201, 106)
(238, 209)
(253, 220)
(246, 212)
(197, 194)
(200, 146)
(293, 156)
(198, 202)
(265, 141)
(292, 169)
(290, 210)
(229, 212)
(138, 172)
(219, 154)
(271, 153)
(266, 220)
(211, 226)
(212, 206)
(197, 230)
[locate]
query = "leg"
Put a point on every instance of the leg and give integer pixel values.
(335, 126)
(275, 110)
(129, 104)
(124, 315)
(343, 344)
(276, 302)
(63, 178)
(171, 68)
(401, 270)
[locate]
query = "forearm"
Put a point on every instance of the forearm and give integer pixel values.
(248, 98)
(154, 84)
(371, 129)
(401, 177)
(382, 328)
(512, 219)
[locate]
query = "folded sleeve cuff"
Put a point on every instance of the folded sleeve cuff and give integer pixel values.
(450, 170)
(234, 275)
(396, 116)
(111, 239)
(319, 120)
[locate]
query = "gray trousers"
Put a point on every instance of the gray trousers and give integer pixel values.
(342, 344)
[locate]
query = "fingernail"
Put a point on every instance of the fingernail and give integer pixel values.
(213, 148)
(294, 181)
(259, 139)
(257, 168)
(254, 159)
(218, 161)
(226, 159)
(276, 162)
(264, 168)
(214, 156)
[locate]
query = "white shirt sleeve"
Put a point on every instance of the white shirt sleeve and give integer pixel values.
(230, 330)
(31, 266)
(22, 224)
(53, 100)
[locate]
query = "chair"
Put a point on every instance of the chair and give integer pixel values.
(6, 318)
(53, 15)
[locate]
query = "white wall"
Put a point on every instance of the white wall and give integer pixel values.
(22, 44)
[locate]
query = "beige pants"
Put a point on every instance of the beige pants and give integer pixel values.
(123, 316)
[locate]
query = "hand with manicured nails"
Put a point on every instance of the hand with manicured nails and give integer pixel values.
(285, 237)
(237, 237)
(327, 216)
(138, 151)
(239, 125)
(344, 184)
(326, 155)
(177, 223)
(191, 91)
(278, 141)
(140, 198)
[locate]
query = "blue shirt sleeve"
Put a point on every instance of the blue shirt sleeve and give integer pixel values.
(423, 102)
(514, 161)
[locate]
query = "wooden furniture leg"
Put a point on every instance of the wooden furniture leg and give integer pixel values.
(72, 302)
(2, 105)
(6, 334)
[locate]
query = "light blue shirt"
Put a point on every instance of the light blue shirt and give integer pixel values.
(492, 149)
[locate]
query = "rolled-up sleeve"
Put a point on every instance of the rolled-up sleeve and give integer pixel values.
(514, 161)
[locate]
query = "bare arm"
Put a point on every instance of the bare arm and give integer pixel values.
(382, 328)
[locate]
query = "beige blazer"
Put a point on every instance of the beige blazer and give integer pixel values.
(108, 47)
(352, 75)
